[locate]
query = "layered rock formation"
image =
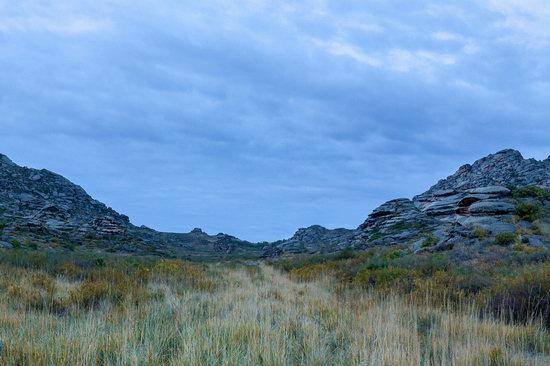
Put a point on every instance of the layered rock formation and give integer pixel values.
(39, 200)
(316, 239)
(471, 207)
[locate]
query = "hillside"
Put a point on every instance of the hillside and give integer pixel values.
(43, 210)
(500, 197)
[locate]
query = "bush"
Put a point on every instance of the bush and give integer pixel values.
(430, 241)
(16, 243)
(529, 211)
(522, 296)
(533, 191)
(505, 238)
(31, 245)
(90, 293)
(480, 233)
(393, 254)
(385, 278)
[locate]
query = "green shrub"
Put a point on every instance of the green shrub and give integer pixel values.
(505, 238)
(393, 254)
(69, 246)
(480, 233)
(430, 241)
(375, 236)
(528, 211)
(16, 243)
(533, 191)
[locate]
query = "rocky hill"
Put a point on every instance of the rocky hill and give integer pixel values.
(41, 209)
(500, 198)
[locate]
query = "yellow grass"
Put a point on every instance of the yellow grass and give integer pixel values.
(253, 316)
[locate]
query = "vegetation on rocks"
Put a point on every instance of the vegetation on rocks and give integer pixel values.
(505, 238)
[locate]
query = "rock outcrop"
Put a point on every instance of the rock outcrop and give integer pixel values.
(316, 239)
(39, 200)
(471, 207)
(38, 206)
(474, 204)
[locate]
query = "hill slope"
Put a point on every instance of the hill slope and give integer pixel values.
(39, 208)
(500, 197)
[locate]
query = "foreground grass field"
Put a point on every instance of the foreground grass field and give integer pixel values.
(158, 312)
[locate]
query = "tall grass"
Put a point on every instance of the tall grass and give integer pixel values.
(178, 313)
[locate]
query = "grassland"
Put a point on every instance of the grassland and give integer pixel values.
(89, 310)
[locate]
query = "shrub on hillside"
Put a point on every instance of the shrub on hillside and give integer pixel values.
(505, 238)
(480, 233)
(533, 191)
(528, 211)
(429, 241)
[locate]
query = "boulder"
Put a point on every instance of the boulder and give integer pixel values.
(491, 207)
(5, 245)
(491, 224)
(536, 241)
(447, 205)
(318, 239)
(491, 190)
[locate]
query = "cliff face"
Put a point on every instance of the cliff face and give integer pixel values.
(473, 206)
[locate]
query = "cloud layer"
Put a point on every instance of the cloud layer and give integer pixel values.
(258, 117)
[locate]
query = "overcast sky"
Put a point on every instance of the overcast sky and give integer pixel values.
(257, 117)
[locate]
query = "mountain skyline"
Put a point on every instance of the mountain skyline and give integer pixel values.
(56, 203)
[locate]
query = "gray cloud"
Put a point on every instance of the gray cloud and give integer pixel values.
(256, 118)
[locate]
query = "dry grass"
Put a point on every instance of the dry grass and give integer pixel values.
(181, 314)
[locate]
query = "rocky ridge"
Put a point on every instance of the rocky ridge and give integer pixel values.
(502, 194)
(472, 207)
(41, 208)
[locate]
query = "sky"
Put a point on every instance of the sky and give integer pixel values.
(256, 118)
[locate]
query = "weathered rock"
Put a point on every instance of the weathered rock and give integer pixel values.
(317, 239)
(506, 167)
(491, 224)
(395, 222)
(40, 204)
(491, 190)
(475, 196)
(538, 242)
(5, 245)
(492, 207)
(447, 205)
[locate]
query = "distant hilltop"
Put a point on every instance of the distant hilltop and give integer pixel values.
(500, 197)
